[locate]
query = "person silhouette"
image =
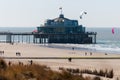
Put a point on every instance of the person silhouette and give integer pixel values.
(70, 59)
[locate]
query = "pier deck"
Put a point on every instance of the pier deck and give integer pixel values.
(39, 38)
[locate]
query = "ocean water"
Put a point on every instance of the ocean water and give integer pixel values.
(106, 41)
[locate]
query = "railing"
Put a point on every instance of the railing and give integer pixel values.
(16, 33)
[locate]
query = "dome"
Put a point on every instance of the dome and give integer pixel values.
(61, 16)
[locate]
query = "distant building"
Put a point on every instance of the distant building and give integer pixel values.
(61, 25)
(64, 30)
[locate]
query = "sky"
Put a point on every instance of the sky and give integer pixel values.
(32, 13)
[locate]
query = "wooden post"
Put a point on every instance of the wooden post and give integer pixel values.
(33, 38)
(22, 38)
(29, 38)
(95, 38)
(8, 38)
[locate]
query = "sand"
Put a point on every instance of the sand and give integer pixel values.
(35, 50)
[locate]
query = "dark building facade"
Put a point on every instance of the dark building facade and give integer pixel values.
(64, 30)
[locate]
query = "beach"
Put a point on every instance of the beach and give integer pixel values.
(50, 53)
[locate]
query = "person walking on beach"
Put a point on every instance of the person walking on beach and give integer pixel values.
(1, 52)
(9, 63)
(69, 59)
(73, 48)
(90, 53)
(85, 53)
(31, 62)
(20, 63)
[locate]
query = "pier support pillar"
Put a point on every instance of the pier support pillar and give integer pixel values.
(29, 38)
(18, 38)
(13, 38)
(95, 39)
(8, 38)
(40, 40)
(33, 38)
(22, 38)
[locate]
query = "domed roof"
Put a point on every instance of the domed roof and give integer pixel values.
(60, 18)
(61, 21)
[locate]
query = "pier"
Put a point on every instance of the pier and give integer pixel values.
(58, 30)
(75, 38)
(11, 37)
(43, 38)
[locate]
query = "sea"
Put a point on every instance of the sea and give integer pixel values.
(107, 41)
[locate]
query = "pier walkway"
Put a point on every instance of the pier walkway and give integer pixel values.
(40, 38)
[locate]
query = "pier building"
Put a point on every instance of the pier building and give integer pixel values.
(64, 30)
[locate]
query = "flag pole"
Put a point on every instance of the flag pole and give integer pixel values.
(60, 10)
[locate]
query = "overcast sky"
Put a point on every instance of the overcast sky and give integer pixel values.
(32, 13)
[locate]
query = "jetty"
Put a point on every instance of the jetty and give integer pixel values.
(41, 38)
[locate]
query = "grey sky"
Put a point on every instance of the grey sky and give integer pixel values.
(32, 13)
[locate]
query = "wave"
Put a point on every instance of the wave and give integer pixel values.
(102, 46)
